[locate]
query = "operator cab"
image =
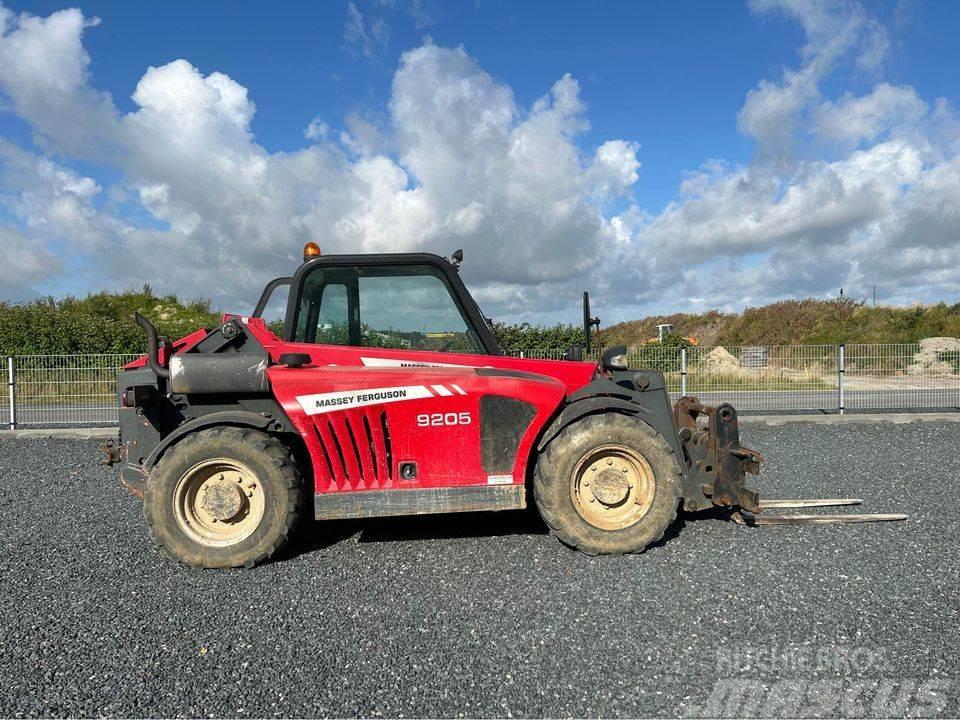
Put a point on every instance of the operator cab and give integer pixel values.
(402, 301)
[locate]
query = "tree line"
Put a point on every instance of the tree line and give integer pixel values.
(103, 323)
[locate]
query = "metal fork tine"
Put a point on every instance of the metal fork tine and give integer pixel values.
(745, 518)
(809, 502)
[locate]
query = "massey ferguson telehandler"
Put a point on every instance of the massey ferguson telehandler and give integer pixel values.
(388, 395)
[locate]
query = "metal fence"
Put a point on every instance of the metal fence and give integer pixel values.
(808, 378)
(63, 390)
(767, 379)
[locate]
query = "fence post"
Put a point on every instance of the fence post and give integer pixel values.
(683, 371)
(840, 375)
(11, 392)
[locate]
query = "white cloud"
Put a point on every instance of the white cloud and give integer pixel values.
(455, 162)
(317, 129)
(855, 119)
(615, 167)
(45, 72)
(856, 189)
(368, 37)
(24, 263)
(880, 208)
(774, 110)
(874, 47)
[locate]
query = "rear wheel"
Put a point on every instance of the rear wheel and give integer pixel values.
(607, 484)
(223, 497)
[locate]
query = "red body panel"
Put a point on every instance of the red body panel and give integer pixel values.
(573, 375)
(363, 412)
(391, 416)
(370, 442)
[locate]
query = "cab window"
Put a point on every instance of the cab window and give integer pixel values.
(402, 307)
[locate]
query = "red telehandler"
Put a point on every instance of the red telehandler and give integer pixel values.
(387, 395)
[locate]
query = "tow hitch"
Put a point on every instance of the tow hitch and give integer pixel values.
(718, 465)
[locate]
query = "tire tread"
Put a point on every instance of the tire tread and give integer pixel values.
(563, 520)
(287, 475)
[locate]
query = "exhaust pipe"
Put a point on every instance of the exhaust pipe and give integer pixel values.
(153, 347)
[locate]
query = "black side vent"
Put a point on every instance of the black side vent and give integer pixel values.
(503, 421)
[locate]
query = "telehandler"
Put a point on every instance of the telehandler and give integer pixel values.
(388, 395)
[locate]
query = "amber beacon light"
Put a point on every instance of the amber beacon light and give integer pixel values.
(310, 250)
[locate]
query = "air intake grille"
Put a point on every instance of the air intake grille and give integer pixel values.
(355, 448)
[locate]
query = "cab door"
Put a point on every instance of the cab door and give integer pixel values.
(397, 307)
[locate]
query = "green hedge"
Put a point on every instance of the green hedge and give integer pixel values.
(100, 323)
(537, 337)
(103, 323)
(802, 322)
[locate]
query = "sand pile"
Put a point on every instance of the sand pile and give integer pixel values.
(719, 360)
(927, 361)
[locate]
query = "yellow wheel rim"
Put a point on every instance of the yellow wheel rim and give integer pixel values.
(612, 487)
(218, 502)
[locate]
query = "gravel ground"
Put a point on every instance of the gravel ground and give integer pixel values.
(486, 615)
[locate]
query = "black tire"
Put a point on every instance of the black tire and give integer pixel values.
(279, 501)
(562, 461)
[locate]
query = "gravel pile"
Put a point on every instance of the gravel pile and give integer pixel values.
(486, 615)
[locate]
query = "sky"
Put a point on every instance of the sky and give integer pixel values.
(665, 156)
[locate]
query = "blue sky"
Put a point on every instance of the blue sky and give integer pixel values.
(672, 74)
(665, 86)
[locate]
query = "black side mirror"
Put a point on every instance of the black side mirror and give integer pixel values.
(294, 360)
(588, 322)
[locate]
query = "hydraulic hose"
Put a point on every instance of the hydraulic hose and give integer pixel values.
(153, 351)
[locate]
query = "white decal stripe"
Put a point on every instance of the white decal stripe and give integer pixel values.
(397, 362)
(442, 390)
(458, 389)
(346, 399)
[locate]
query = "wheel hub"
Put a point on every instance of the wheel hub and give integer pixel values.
(613, 487)
(222, 500)
(219, 502)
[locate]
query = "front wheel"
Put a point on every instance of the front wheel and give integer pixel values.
(223, 497)
(607, 484)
